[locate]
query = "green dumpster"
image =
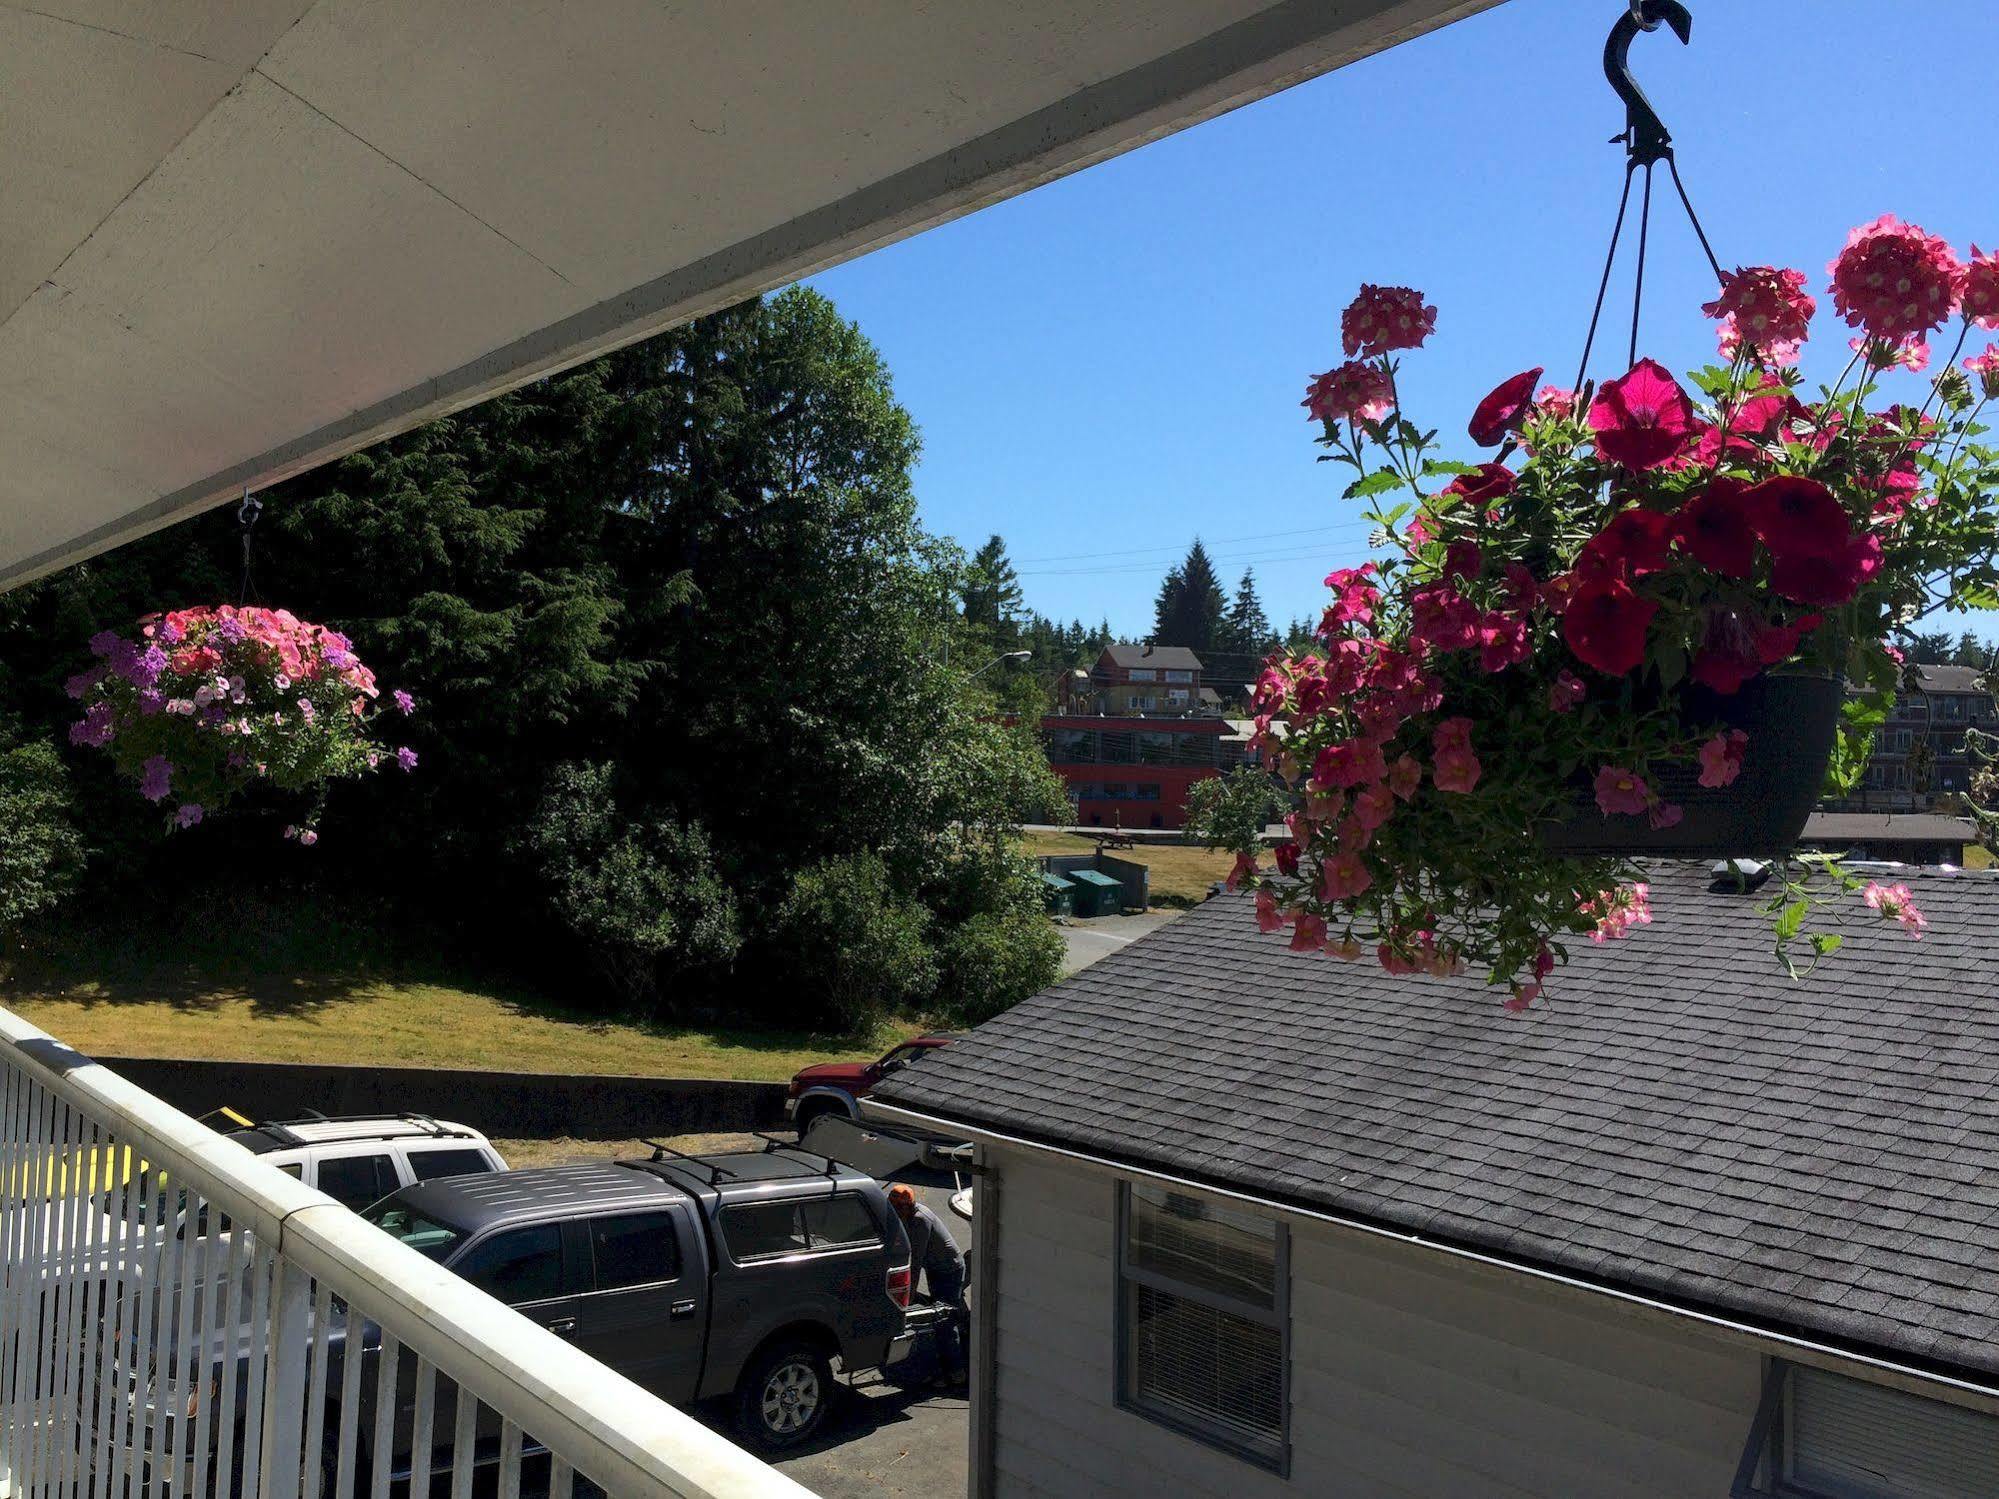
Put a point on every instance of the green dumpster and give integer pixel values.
(1058, 896)
(1097, 894)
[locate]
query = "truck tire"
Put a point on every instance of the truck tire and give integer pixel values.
(784, 1395)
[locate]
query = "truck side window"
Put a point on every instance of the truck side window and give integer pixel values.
(634, 1249)
(522, 1265)
(840, 1222)
(759, 1230)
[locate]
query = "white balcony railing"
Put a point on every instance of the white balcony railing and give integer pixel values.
(175, 1320)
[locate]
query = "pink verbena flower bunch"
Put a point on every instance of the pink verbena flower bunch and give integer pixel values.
(205, 705)
(1562, 622)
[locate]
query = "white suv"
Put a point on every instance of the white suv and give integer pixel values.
(358, 1161)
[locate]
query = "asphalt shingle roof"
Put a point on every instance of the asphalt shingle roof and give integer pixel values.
(1683, 1120)
(1175, 657)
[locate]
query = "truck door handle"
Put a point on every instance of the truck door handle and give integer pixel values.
(563, 1327)
(683, 1309)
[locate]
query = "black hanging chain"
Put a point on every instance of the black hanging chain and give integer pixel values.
(1646, 143)
(246, 521)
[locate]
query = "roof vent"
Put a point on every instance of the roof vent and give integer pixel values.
(1737, 876)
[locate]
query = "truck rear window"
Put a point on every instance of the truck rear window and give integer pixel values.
(765, 1230)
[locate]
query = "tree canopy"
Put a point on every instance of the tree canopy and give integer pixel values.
(1189, 610)
(677, 639)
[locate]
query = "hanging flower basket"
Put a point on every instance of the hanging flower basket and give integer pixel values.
(1632, 630)
(206, 706)
(1793, 720)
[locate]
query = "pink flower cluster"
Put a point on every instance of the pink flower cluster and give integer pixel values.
(1897, 904)
(1896, 282)
(1617, 911)
(1763, 310)
(1357, 391)
(1383, 318)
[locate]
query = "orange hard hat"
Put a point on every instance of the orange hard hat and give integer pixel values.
(901, 1198)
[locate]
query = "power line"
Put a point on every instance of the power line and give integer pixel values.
(1222, 559)
(1220, 541)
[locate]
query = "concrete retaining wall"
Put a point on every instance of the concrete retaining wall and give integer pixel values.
(509, 1105)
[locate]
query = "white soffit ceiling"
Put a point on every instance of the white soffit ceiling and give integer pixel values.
(241, 237)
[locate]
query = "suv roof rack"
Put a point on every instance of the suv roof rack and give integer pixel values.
(284, 1132)
(662, 1152)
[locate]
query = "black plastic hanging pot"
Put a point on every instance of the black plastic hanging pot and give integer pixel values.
(1792, 722)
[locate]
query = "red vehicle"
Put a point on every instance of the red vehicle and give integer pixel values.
(838, 1087)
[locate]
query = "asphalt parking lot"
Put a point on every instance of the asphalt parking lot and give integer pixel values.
(1085, 941)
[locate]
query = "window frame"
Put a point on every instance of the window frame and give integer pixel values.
(1275, 1460)
(671, 1220)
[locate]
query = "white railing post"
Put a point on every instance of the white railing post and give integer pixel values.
(284, 1389)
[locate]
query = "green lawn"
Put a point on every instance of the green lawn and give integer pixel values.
(383, 1022)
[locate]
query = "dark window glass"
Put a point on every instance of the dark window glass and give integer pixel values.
(355, 1181)
(294, 1170)
(522, 1265)
(426, 1236)
(758, 1230)
(1203, 1310)
(634, 1249)
(840, 1222)
(1148, 791)
(429, 1165)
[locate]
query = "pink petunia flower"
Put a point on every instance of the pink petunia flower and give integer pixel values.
(1621, 791)
(1721, 758)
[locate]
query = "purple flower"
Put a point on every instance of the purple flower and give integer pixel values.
(143, 668)
(151, 701)
(232, 631)
(104, 642)
(305, 709)
(96, 728)
(83, 681)
(156, 778)
(406, 757)
(171, 633)
(189, 814)
(405, 704)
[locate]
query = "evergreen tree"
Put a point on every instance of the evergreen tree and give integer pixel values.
(1247, 630)
(991, 593)
(1190, 609)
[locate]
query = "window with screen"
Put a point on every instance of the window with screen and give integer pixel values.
(840, 1222)
(518, 1266)
(1821, 1435)
(1202, 1302)
(634, 1249)
(430, 1165)
(356, 1181)
(762, 1230)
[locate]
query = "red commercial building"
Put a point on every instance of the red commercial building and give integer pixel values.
(1134, 732)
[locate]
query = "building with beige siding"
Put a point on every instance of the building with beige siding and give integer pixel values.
(1255, 1224)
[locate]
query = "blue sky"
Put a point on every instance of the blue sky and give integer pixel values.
(1111, 364)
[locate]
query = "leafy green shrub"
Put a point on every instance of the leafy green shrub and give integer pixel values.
(41, 851)
(642, 893)
(847, 937)
(994, 960)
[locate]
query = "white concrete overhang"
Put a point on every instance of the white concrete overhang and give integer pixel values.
(239, 238)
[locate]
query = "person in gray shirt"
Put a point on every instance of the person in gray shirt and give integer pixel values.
(934, 1253)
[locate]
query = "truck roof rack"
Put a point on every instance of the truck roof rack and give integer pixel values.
(778, 1145)
(662, 1152)
(283, 1131)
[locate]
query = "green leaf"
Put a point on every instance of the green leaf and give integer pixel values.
(1439, 468)
(1824, 943)
(1790, 919)
(1381, 481)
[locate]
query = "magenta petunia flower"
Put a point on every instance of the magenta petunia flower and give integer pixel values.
(1621, 791)
(156, 778)
(1643, 418)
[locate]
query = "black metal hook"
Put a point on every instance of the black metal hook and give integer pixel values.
(1646, 138)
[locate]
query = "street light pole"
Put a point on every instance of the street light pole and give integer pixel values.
(1006, 656)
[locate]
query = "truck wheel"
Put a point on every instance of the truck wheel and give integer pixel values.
(784, 1396)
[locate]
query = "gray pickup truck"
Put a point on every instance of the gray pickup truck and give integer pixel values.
(740, 1276)
(694, 1276)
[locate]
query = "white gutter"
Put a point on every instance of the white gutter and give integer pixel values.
(1885, 1371)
